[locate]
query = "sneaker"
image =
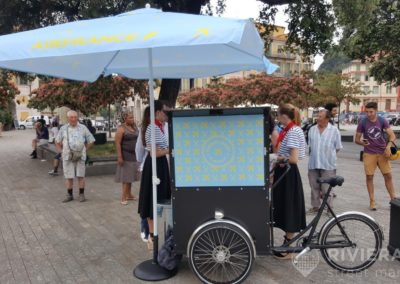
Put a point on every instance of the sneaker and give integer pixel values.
(143, 237)
(312, 210)
(372, 205)
(68, 198)
(82, 197)
(53, 173)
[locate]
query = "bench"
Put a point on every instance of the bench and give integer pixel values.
(96, 165)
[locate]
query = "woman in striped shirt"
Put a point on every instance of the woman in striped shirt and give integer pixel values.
(145, 208)
(288, 196)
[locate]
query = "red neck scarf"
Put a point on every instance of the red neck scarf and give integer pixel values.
(284, 132)
(159, 124)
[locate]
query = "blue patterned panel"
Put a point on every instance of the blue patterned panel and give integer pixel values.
(214, 151)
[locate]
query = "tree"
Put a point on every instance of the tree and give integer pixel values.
(255, 90)
(379, 43)
(310, 24)
(338, 88)
(8, 91)
(88, 98)
(334, 61)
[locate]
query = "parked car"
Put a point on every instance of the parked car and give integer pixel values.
(392, 117)
(100, 125)
(30, 121)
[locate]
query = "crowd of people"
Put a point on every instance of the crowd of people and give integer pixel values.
(321, 140)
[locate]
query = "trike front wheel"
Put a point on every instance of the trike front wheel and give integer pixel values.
(221, 253)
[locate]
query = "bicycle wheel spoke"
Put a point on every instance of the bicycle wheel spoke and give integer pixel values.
(361, 239)
(221, 255)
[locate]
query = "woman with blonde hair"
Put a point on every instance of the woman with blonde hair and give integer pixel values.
(125, 140)
(288, 196)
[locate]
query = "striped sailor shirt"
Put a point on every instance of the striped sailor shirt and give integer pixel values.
(161, 138)
(294, 139)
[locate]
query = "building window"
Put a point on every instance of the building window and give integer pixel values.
(376, 90)
(366, 78)
(22, 81)
(366, 89)
(280, 49)
(185, 85)
(388, 104)
(388, 89)
(358, 67)
(357, 77)
(287, 68)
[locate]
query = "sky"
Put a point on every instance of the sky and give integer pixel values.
(244, 9)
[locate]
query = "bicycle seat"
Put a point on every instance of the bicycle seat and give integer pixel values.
(332, 181)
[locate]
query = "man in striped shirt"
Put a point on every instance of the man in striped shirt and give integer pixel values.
(324, 141)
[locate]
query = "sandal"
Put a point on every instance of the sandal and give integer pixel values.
(284, 255)
(132, 198)
(124, 202)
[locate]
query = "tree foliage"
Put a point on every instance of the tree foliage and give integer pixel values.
(88, 98)
(311, 25)
(338, 88)
(379, 42)
(334, 61)
(255, 90)
(8, 90)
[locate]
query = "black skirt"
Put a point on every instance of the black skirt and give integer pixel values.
(145, 208)
(288, 201)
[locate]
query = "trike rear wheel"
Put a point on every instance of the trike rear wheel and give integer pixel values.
(221, 253)
(359, 251)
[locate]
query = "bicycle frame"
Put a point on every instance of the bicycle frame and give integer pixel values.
(312, 226)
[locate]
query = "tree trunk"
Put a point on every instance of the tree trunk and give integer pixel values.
(169, 91)
(170, 87)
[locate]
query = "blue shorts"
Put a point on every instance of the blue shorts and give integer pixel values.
(57, 157)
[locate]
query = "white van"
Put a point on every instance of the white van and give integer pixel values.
(30, 121)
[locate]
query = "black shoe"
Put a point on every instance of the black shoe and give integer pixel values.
(34, 157)
(68, 198)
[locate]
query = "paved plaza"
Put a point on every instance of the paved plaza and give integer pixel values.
(45, 241)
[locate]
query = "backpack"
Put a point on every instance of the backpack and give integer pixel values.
(306, 129)
(381, 121)
(167, 258)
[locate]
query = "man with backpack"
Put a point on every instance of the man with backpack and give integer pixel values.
(373, 128)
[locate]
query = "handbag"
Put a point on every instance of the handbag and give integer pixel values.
(167, 257)
(73, 156)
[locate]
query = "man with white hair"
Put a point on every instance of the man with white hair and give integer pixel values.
(73, 140)
(324, 141)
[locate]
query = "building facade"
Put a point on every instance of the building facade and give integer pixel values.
(289, 63)
(25, 87)
(386, 96)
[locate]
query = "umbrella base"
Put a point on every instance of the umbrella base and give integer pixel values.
(151, 271)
